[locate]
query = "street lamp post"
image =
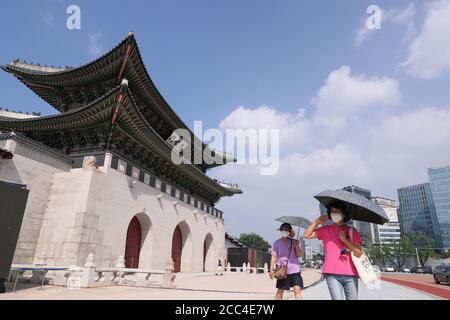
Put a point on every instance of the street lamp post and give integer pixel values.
(417, 255)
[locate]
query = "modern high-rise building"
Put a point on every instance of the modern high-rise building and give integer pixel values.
(417, 211)
(390, 231)
(440, 190)
(364, 228)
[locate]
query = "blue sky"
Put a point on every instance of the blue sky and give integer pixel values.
(208, 58)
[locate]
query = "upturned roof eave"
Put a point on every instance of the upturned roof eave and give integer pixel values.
(163, 148)
(171, 115)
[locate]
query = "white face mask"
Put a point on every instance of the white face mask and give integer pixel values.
(285, 234)
(336, 218)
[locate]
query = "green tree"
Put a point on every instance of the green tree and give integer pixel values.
(425, 245)
(374, 253)
(444, 255)
(253, 240)
(397, 251)
(318, 256)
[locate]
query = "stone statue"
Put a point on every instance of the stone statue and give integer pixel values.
(91, 163)
(169, 275)
(90, 261)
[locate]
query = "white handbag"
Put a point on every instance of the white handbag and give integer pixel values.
(363, 266)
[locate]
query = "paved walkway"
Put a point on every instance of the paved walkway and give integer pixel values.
(205, 286)
(385, 291)
(423, 283)
(190, 286)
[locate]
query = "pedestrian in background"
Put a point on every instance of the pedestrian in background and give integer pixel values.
(284, 264)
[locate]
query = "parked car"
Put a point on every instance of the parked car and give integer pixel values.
(442, 274)
(387, 268)
(428, 270)
(376, 268)
(404, 269)
(417, 269)
(422, 270)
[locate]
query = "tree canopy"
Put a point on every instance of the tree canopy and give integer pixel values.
(254, 240)
(425, 245)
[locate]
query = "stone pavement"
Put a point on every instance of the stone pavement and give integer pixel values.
(190, 286)
(207, 286)
(385, 291)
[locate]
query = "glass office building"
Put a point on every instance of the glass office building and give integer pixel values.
(389, 232)
(440, 189)
(417, 211)
(364, 228)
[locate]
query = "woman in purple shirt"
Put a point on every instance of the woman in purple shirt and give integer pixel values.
(287, 251)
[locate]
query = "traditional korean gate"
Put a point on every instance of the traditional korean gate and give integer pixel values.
(133, 245)
(177, 247)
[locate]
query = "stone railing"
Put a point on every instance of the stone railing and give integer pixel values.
(246, 268)
(89, 276)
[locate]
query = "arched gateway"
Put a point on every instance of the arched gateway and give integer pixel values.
(177, 248)
(209, 264)
(133, 244)
(182, 248)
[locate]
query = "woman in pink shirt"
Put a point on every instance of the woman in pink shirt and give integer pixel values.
(338, 268)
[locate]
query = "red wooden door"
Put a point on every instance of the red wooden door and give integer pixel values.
(251, 257)
(133, 245)
(177, 246)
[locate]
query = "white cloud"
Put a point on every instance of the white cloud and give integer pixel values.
(343, 99)
(415, 139)
(386, 152)
(291, 191)
(398, 16)
(95, 44)
(294, 128)
(396, 153)
(362, 34)
(403, 16)
(429, 52)
(345, 95)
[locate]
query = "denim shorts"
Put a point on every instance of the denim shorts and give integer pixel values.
(292, 280)
(342, 287)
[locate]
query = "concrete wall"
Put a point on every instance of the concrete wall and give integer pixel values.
(90, 210)
(72, 212)
(37, 176)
